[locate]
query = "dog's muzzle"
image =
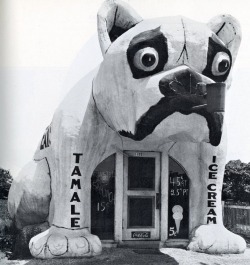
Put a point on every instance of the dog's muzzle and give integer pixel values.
(186, 92)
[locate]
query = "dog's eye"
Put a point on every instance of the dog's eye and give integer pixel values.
(146, 59)
(221, 64)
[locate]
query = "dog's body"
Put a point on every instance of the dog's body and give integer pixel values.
(148, 94)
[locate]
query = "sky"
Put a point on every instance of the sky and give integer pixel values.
(48, 45)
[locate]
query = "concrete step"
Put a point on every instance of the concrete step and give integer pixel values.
(139, 244)
(175, 243)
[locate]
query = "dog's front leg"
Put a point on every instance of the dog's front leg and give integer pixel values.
(204, 165)
(210, 235)
(76, 149)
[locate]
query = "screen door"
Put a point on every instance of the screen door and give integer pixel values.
(141, 204)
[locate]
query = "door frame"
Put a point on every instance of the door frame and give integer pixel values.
(154, 231)
(119, 183)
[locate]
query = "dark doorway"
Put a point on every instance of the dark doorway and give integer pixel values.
(102, 199)
(178, 213)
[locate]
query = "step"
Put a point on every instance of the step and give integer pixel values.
(139, 244)
(175, 243)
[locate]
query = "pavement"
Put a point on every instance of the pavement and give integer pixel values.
(125, 256)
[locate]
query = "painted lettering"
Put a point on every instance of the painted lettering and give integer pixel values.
(75, 198)
(75, 185)
(77, 157)
(105, 193)
(102, 208)
(211, 220)
(213, 167)
(211, 203)
(76, 171)
(212, 195)
(73, 210)
(45, 142)
(75, 182)
(74, 222)
(212, 175)
(185, 192)
(209, 187)
(211, 212)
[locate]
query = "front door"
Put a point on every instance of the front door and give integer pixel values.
(141, 204)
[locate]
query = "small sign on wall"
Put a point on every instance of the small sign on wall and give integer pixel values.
(140, 234)
(102, 199)
(178, 214)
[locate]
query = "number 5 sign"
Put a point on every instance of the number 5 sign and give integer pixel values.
(171, 232)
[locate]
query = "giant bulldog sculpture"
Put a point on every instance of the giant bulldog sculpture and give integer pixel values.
(149, 93)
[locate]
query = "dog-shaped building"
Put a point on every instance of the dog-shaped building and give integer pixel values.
(156, 102)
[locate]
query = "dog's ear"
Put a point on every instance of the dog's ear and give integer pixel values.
(228, 29)
(113, 19)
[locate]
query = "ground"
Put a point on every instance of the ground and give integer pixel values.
(121, 256)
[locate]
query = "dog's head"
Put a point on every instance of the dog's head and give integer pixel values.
(155, 73)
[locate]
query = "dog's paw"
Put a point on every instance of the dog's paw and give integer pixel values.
(61, 242)
(216, 239)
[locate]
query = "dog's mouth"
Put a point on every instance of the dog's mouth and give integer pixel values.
(185, 101)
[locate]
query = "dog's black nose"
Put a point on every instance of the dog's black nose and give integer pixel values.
(180, 82)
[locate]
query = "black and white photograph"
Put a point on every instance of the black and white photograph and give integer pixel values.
(125, 132)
